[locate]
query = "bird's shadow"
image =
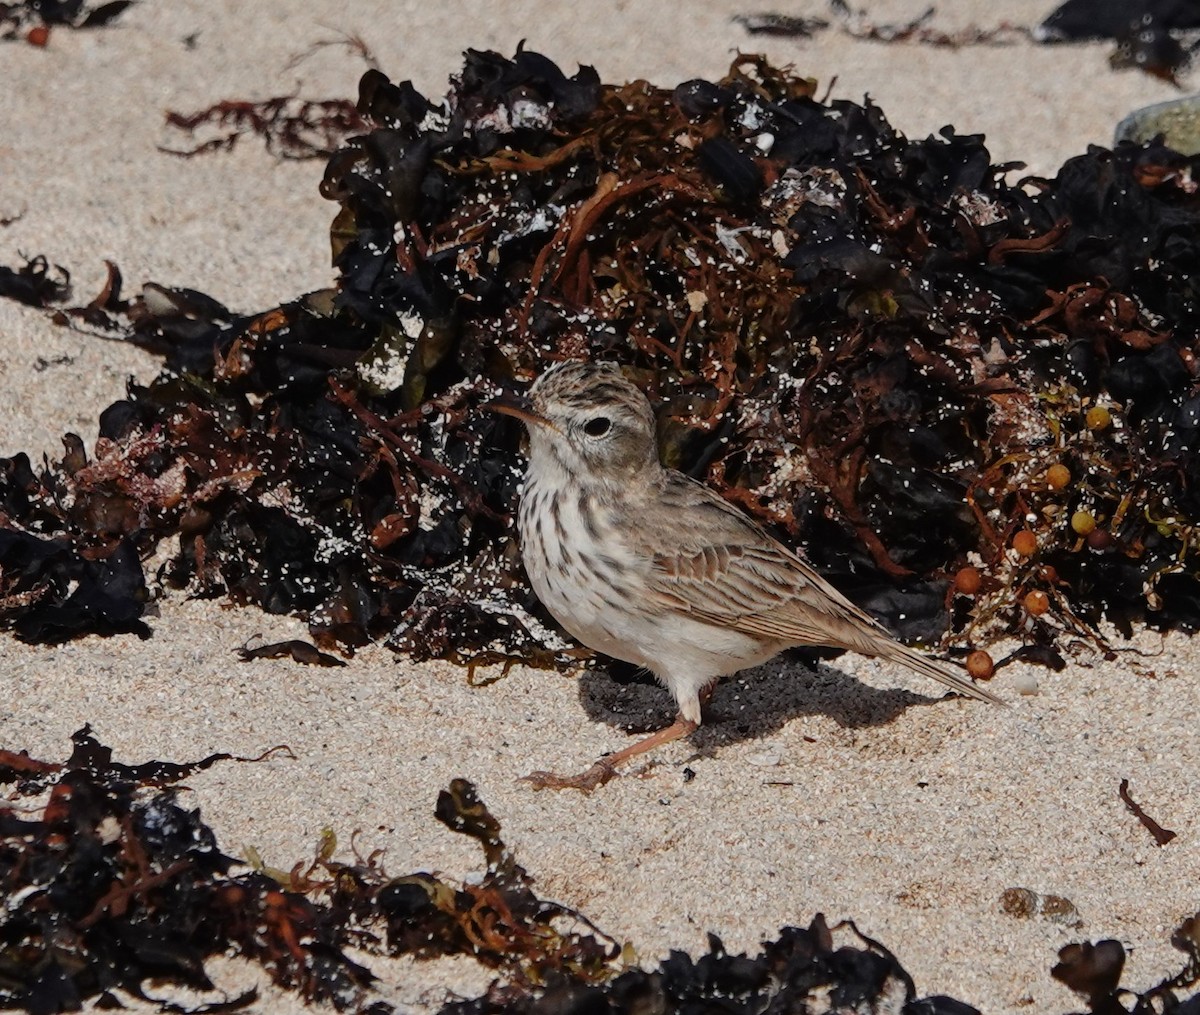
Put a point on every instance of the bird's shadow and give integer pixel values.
(746, 706)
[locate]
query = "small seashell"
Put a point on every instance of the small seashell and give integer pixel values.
(1025, 904)
(1026, 683)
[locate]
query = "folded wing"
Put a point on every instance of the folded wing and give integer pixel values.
(727, 571)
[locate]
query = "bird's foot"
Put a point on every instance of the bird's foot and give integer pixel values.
(600, 773)
(605, 770)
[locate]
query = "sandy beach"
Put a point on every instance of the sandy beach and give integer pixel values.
(851, 789)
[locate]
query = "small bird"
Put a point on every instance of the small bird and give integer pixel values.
(644, 564)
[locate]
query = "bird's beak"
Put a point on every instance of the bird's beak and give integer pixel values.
(519, 408)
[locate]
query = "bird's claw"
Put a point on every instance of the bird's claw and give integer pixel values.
(595, 777)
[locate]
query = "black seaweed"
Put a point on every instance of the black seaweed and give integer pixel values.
(1093, 970)
(109, 885)
(1111, 19)
(114, 885)
(1150, 34)
(32, 19)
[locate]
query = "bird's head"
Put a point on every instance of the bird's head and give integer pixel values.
(589, 421)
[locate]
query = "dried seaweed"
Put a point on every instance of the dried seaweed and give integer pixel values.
(352, 43)
(36, 283)
(33, 19)
(1161, 835)
(291, 128)
(786, 25)
(296, 650)
(1154, 36)
(1094, 971)
(884, 349)
(1110, 19)
(858, 24)
(814, 968)
(108, 885)
(114, 884)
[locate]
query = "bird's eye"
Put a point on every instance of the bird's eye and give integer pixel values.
(597, 426)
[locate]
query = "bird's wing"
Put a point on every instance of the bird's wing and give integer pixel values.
(712, 561)
(708, 559)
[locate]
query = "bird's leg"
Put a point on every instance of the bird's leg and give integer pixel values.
(606, 768)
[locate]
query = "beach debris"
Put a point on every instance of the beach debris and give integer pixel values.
(1025, 903)
(1161, 835)
(36, 283)
(979, 664)
(296, 650)
(351, 42)
(1077, 20)
(1040, 655)
(1154, 36)
(32, 20)
(971, 400)
(1177, 121)
(50, 592)
(495, 918)
(291, 127)
(107, 884)
(858, 24)
(109, 887)
(1153, 50)
(1094, 971)
(105, 880)
(1025, 683)
(786, 25)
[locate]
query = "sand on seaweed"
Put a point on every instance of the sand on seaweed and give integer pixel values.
(850, 790)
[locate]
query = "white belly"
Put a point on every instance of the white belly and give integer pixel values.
(590, 580)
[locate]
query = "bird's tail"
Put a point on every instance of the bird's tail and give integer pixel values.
(914, 660)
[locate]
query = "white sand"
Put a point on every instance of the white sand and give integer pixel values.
(907, 814)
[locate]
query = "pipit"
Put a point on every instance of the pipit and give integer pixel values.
(644, 564)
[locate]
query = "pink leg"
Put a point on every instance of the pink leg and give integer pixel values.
(606, 768)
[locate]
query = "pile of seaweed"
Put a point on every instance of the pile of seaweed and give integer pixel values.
(972, 399)
(107, 882)
(109, 886)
